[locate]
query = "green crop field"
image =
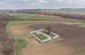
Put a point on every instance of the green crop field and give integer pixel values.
(72, 10)
(48, 33)
(14, 23)
(41, 36)
(25, 15)
(33, 17)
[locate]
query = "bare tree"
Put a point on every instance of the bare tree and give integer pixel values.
(6, 41)
(48, 28)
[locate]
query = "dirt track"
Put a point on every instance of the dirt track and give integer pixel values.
(74, 39)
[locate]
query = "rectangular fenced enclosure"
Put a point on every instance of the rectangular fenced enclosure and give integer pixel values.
(43, 35)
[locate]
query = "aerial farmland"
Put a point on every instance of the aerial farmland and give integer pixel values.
(42, 27)
(42, 33)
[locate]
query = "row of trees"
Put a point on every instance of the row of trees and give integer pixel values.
(63, 14)
(54, 12)
(6, 42)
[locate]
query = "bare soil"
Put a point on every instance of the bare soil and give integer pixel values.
(20, 29)
(74, 39)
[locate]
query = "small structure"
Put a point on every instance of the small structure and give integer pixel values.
(43, 35)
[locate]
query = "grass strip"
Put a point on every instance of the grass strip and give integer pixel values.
(41, 36)
(48, 33)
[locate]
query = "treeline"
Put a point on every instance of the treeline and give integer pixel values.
(54, 12)
(31, 11)
(5, 41)
(69, 15)
(7, 46)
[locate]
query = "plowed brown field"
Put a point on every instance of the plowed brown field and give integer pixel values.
(74, 39)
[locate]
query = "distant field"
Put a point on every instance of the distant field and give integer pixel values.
(33, 17)
(73, 10)
(25, 15)
(14, 23)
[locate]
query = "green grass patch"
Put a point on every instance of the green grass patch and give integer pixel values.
(73, 10)
(14, 23)
(33, 17)
(48, 33)
(25, 15)
(20, 43)
(41, 36)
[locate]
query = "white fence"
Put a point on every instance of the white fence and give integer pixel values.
(56, 36)
(36, 37)
(48, 37)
